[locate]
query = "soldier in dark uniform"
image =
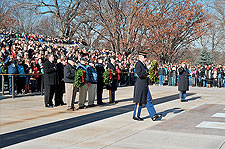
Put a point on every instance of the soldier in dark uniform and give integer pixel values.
(113, 87)
(50, 80)
(142, 94)
(100, 84)
(183, 85)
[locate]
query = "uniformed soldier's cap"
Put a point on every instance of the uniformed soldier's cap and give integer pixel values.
(142, 53)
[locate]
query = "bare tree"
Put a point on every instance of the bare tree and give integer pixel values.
(25, 20)
(117, 22)
(6, 20)
(215, 37)
(48, 26)
(66, 12)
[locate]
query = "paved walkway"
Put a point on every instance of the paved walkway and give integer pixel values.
(198, 124)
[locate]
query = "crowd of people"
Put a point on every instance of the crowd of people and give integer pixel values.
(57, 59)
(199, 76)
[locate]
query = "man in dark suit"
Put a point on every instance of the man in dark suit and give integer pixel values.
(50, 80)
(142, 94)
(113, 87)
(60, 89)
(100, 84)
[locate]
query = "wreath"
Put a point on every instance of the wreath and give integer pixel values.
(153, 75)
(108, 76)
(80, 78)
(2, 66)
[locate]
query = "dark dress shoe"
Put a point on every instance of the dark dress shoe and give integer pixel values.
(184, 100)
(115, 102)
(101, 103)
(93, 105)
(70, 109)
(157, 116)
(48, 106)
(82, 107)
(63, 104)
(138, 118)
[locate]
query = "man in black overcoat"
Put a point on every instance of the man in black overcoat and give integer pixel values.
(100, 83)
(50, 80)
(142, 94)
(183, 85)
(60, 89)
(113, 87)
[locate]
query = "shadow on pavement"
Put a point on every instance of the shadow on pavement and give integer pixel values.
(15, 137)
(194, 98)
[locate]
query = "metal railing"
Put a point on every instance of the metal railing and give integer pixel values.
(42, 80)
(13, 82)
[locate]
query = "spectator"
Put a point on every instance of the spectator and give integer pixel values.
(161, 73)
(12, 69)
(50, 80)
(70, 88)
(20, 79)
(84, 88)
(92, 82)
(60, 89)
(100, 84)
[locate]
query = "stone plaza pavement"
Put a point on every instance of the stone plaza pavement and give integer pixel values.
(197, 124)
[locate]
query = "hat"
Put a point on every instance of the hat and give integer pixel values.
(183, 62)
(83, 59)
(143, 54)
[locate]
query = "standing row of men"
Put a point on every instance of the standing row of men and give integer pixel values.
(94, 74)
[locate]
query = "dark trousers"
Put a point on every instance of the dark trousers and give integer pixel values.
(112, 96)
(60, 89)
(39, 81)
(99, 93)
(49, 93)
(20, 83)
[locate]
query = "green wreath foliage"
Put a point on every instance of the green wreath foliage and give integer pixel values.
(80, 78)
(107, 80)
(153, 75)
(2, 66)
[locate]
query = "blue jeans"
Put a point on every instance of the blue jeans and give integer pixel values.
(204, 83)
(224, 83)
(199, 81)
(10, 85)
(190, 81)
(150, 106)
(183, 95)
(161, 77)
(173, 81)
